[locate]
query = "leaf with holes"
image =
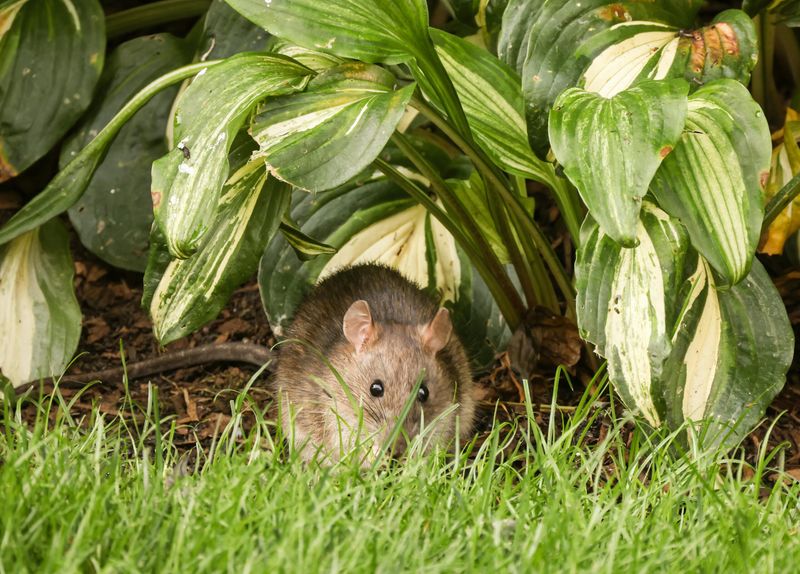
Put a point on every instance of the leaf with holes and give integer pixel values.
(611, 147)
(324, 136)
(714, 179)
(40, 320)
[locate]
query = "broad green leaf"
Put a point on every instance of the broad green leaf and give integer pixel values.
(379, 222)
(607, 47)
(367, 30)
(114, 215)
(473, 195)
(490, 94)
(312, 59)
(192, 291)
(324, 136)
(51, 54)
(69, 184)
(628, 302)
(40, 320)
(730, 356)
(187, 182)
(611, 147)
(226, 33)
(714, 179)
(783, 11)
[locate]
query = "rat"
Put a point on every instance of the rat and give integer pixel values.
(381, 333)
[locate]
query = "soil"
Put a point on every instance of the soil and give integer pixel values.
(197, 400)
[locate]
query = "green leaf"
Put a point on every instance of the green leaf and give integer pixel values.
(40, 320)
(611, 147)
(114, 215)
(367, 30)
(304, 246)
(321, 138)
(51, 54)
(490, 94)
(187, 182)
(472, 193)
(730, 357)
(226, 33)
(628, 302)
(192, 291)
(69, 184)
(714, 179)
(379, 222)
(783, 11)
(312, 59)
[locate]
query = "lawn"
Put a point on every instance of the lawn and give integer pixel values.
(106, 494)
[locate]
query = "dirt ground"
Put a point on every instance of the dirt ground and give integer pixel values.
(198, 399)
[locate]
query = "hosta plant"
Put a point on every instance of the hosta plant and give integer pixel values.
(308, 135)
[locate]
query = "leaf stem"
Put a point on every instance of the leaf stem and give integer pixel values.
(153, 14)
(780, 201)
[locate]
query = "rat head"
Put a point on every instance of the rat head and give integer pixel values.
(382, 364)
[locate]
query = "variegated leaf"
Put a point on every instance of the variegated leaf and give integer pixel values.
(51, 55)
(714, 179)
(324, 136)
(379, 222)
(187, 182)
(190, 292)
(611, 147)
(40, 320)
(628, 303)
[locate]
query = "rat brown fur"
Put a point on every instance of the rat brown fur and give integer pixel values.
(380, 332)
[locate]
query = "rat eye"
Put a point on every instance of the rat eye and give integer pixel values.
(422, 395)
(376, 388)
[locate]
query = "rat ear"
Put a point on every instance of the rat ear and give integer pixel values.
(358, 326)
(436, 334)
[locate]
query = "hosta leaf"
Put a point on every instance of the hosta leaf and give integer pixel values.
(312, 59)
(490, 94)
(226, 32)
(378, 222)
(114, 215)
(192, 291)
(785, 165)
(51, 54)
(324, 136)
(628, 302)
(784, 11)
(40, 321)
(69, 184)
(713, 180)
(611, 147)
(608, 46)
(188, 180)
(730, 356)
(368, 30)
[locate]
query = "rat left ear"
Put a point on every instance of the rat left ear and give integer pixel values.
(436, 334)
(358, 326)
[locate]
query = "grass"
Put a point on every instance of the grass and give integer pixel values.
(112, 495)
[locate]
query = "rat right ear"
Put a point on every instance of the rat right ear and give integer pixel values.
(358, 326)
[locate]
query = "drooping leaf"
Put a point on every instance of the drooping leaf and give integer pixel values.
(312, 59)
(40, 320)
(324, 136)
(379, 222)
(114, 215)
(187, 182)
(304, 246)
(714, 179)
(69, 184)
(192, 291)
(226, 33)
(51, 55)
(785, 165)
(611, 147)
(628, 301)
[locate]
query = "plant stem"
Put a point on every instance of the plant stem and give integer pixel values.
(457, 210)
(476, 257)
(780, 201)
(153, 14)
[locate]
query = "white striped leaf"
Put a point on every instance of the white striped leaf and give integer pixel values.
(379, 222)
(319, 139)
(491, 96)
(40, 320)
(611, 147)
(187, 182)
(628, 303)
(730, 354)
(714, 179)
(51, 55)
(184, 294)
(367, 30)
